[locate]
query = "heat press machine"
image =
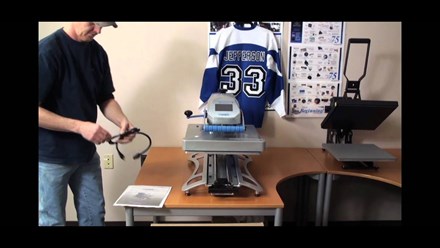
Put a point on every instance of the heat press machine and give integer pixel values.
(220, 147)
(347, 113)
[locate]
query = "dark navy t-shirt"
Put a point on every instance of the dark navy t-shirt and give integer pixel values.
(74, 77)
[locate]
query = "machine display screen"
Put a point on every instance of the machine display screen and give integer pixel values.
(223, 107)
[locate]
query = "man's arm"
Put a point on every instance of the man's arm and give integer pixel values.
(88, 130)
(113, 112)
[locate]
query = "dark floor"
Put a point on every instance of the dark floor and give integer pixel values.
(267, 223)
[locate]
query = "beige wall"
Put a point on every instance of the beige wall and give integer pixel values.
(157, 70)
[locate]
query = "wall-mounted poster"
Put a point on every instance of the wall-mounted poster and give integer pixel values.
(315, 63)
(317, 32)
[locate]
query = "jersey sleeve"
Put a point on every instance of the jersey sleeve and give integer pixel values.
(210, 83)
(275, 94)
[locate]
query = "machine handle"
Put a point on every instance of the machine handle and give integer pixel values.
(189, 113)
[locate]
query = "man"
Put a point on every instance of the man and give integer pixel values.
(74, 78)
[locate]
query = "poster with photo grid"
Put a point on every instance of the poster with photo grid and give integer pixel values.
(314, 67)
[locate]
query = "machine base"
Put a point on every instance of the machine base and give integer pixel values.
(223, 174)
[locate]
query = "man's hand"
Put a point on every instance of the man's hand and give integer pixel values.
(94, 133)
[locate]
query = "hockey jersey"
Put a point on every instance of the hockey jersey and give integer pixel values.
(245, 62)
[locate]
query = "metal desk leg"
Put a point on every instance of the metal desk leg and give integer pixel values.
(327, 195)
(278, 217)
(155, 219)
(129, 218)
(319, 200)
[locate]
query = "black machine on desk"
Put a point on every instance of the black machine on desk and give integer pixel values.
(346, 114)
(222, 143)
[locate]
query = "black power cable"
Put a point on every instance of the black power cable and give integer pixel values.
(134, 130)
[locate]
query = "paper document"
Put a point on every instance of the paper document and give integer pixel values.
(144, 196)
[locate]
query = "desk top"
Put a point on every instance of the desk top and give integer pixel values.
(389, 171)
(169, 166)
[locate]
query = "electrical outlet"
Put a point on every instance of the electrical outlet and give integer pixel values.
(108, 161)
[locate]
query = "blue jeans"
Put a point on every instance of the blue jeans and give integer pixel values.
(85, 181)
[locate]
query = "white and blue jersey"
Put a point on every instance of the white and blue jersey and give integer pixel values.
(246, 63)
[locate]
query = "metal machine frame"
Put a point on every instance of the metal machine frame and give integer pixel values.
(221, 178)
(220, 150)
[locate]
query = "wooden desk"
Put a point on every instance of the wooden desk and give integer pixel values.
(389, 172)
(170, 166)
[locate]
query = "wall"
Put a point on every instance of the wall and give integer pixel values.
(157, 70)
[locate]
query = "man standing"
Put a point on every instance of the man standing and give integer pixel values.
(74, 78)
